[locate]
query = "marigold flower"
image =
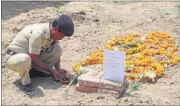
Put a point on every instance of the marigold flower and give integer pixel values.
(139, 54)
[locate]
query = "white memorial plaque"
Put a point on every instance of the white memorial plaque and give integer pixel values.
(114, 65)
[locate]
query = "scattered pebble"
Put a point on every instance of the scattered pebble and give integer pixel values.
(171, 83)
(39, 87)
(96, 20)
(100, 97)
(147, 101)
(91, 101)
(82, 12)
(126, 100)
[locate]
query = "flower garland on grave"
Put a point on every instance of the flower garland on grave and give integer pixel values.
(141, 55)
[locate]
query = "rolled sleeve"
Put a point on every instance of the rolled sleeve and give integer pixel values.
(35, 43)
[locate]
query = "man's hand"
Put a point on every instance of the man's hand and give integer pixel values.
(63, 76)
(55, 75)
(62, 72)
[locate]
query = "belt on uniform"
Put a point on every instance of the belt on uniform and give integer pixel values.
(10, 52)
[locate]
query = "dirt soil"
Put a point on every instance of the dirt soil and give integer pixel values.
(95, 22)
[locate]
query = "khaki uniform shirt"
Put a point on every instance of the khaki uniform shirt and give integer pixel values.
(32, 39)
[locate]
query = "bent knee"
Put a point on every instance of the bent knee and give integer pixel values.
(19, 62)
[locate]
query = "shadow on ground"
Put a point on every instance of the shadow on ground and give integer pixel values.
(40, 84)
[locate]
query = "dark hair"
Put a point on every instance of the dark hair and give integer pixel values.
(54, 23)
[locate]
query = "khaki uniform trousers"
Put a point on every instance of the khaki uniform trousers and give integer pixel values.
(22, 63)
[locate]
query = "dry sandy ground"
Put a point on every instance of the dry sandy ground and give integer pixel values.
(100, 22)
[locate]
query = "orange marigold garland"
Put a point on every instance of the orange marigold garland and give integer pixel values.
(140, 54)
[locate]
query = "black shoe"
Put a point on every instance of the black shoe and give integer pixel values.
(28, 87)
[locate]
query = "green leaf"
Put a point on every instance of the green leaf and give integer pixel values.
(134, 86)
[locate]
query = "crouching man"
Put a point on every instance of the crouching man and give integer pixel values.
(36, 46)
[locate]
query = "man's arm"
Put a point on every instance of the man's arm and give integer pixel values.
(57, 65)
(41, 65)
(62, 72)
